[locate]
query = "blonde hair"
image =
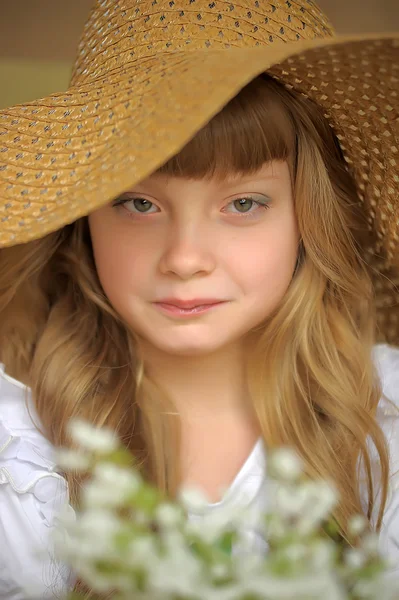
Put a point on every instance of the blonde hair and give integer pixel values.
(312, 379)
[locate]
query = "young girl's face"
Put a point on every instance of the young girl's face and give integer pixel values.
(234, 241)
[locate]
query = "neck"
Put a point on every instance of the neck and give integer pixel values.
(202, 386)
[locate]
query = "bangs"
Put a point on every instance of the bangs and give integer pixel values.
(254, 128)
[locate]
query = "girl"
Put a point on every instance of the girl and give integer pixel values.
(207, 286)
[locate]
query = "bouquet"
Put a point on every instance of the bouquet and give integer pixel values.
(129, 539)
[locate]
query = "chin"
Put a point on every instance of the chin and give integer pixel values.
(188, 348)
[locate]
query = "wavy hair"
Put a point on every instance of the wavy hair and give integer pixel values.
(312, 379)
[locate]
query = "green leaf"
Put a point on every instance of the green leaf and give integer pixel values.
(121, 457)
(225, 543)
(147, 499)
(75, 596)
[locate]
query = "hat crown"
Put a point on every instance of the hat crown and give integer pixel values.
(118, 33)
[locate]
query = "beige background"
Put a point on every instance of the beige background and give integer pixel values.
(38, 39)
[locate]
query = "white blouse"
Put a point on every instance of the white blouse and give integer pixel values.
(32, 492)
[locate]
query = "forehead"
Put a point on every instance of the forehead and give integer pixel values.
(270, 171)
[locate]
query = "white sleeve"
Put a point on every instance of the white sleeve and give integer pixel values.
(31, 494)
(387, 360)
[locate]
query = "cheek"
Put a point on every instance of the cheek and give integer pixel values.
(265, 268)
(120, 268)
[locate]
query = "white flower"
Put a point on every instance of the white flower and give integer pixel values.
(368, 590)
(285, 464)
(276, 528)
(96, 494)
(370, 543)
(357, 525)
(170, 566)
(94, 439)
(290, 502)
(321, 497)
(306, 503)
(141, 552)
(212, 525)
(296, 552)
(93, 578)
(193, 498)
(178, 573)
(99, 523)
(323, 555)
(90, 538)
(72, 459)
(79, 550)
(175, 542)
(219, 571)
(310, 587)
(168, 515)
(325, 496)
(355, 558)
(125, 481)
(248, 565)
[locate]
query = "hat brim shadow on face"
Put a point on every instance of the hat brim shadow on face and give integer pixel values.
(66, 155)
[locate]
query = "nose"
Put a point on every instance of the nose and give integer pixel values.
(188, 252)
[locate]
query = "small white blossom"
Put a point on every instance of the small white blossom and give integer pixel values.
(285, 464)
(212, 525)
(94, 439)
(276, 528)
(310, 587)
(193, 498)
(98, 495)
(357, 525)
(174, 541)
(369, 590)
(219, 571)
(124, 480)
(321, 498)
(370, 543)
(325, 496)
(355, 558)
(323, 554)
(72, 459)
(178, 573)
(290, 502)
(99, 523)
(206, 531)
(296, 552)
(91, 576)
(141, 552)
(91, 537)
(168, 515)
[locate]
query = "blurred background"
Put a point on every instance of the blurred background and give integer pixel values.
(38, 39)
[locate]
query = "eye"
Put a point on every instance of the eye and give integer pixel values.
(136, 205)
(245, 205)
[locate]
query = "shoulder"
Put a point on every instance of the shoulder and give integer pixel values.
(386, 359)
(26, 457)
(31, 494)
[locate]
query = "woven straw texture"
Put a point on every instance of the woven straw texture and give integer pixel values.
(150, 73)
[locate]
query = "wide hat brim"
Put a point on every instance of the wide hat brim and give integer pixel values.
(64, 156)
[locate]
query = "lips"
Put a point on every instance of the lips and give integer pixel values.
(189, 304)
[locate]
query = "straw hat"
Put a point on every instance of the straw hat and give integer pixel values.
(150, 73)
